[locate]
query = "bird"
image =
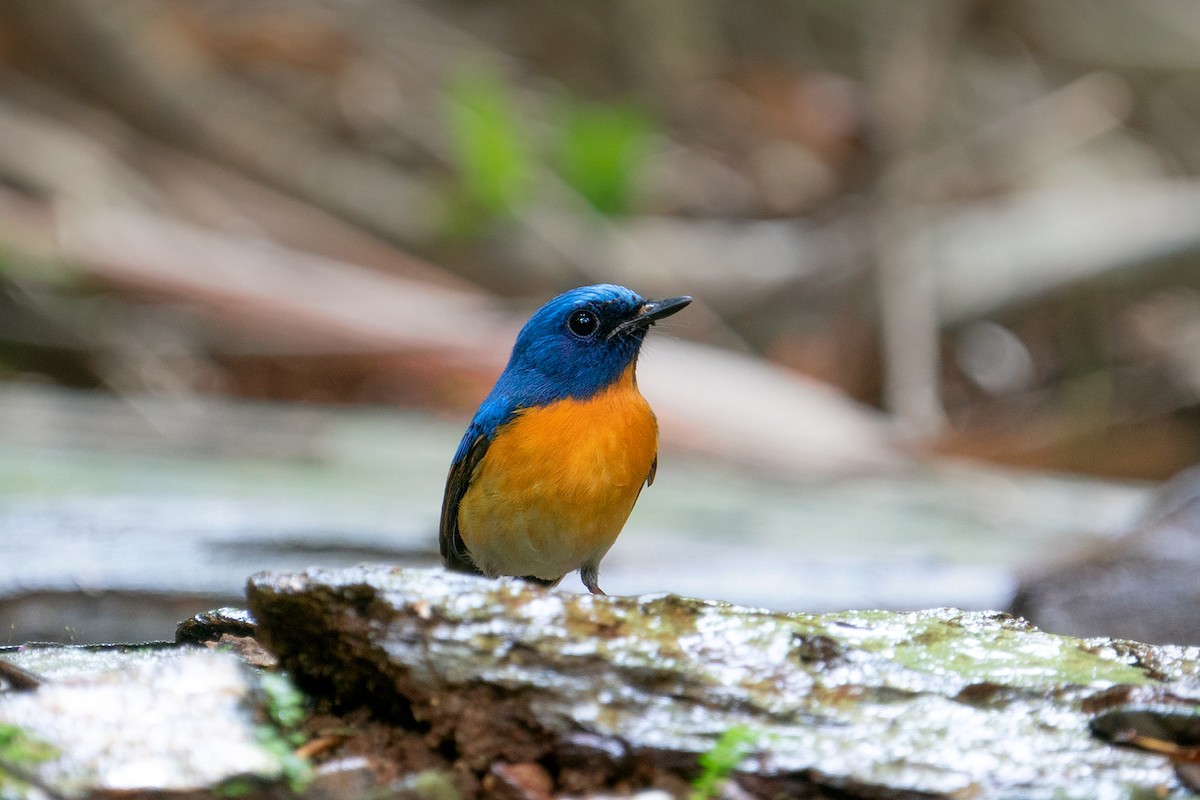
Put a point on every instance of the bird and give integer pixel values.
(554, 459)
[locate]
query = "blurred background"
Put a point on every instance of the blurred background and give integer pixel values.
(260, 260)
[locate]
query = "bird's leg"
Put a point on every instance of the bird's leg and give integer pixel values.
(590, 573)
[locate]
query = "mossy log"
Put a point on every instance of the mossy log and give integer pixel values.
(613, 691)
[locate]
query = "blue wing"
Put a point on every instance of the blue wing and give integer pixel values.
(470, 452)
(498, 408)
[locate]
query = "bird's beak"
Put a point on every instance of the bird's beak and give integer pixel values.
(650, 312)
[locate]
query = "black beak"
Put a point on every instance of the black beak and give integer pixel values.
(650, 312)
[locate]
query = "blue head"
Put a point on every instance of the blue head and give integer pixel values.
(576, 345)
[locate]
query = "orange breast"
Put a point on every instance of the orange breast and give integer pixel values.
(558, 482)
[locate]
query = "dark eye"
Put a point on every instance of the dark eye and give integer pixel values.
(583, 322)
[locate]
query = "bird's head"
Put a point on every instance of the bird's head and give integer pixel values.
(584, 339)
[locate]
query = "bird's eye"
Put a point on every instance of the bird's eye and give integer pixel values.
(583, 322)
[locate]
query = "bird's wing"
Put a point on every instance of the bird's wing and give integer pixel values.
(454, 551)
(649, 476)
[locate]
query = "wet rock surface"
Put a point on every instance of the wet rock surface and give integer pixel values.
(159, 721)
(507, 685)
(210, 626)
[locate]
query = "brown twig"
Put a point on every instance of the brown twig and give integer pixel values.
(19, 679)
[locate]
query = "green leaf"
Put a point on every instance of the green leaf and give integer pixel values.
(486, 141)
(19, 752)
(600, 153)
(285, 703)
(730, 749)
